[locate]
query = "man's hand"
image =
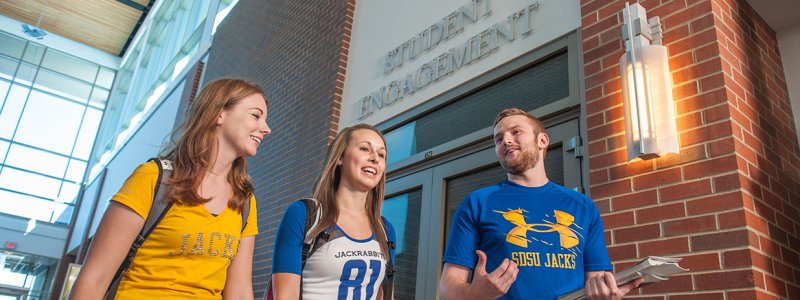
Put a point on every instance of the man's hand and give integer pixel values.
(603, 285)
(495, 284)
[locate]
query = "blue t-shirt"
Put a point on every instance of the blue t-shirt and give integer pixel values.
(342, 268)
(554, 234)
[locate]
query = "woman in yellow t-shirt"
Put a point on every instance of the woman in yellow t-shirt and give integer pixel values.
(199, 249)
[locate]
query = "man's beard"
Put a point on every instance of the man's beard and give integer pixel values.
(526, 160)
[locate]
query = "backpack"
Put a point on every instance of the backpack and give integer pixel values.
(157, 211)
(312, 220)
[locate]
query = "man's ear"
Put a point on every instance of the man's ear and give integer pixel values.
(543, 140)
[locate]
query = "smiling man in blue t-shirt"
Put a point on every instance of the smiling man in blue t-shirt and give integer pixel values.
(540, 239)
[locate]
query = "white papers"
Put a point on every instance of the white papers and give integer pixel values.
(652, 269)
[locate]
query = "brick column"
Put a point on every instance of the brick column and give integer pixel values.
(729, 203)
(297, 51)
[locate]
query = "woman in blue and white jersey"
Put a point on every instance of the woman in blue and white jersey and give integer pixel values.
(352, 262)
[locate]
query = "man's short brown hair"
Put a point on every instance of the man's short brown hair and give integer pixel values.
(538, 126)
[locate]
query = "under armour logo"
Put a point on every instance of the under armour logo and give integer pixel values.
(519, 234)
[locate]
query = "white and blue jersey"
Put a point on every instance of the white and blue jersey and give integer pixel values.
(342, 268)
(552, 233)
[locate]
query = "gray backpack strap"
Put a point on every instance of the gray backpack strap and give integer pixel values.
(157, 211)
(245, 213)
(160, 205)
(313, 216)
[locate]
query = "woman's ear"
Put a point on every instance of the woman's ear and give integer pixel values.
(220, 118)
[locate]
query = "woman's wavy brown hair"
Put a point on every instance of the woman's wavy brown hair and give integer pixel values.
(194, 143)
(328, 183)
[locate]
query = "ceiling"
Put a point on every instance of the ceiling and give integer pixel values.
(779, 14)
(108, 25)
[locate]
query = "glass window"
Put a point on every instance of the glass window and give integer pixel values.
(29, 183)
(402, 142)
(25, 74)
(70, 65)
(83, 145)
(34, 53)
(105, 78)
(50, 123)
(223, 10)
(12, 109)
(174, 35)
(403, 212)
(99, 97)
(50, 109)
(62, 213)
(63, 86)
(25, 206)
(12, 46)
(36, 160)
(7, 67)
(4, 86)
(3, 150)
(68, 193)
(75, 170)
(543, 83)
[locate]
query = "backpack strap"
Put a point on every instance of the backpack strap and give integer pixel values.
(313, 216)
(157, 211)
(245, 213)
(388, 282)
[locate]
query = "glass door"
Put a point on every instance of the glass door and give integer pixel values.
(405, 206)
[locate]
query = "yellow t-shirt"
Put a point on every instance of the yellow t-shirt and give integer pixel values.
(188, 253)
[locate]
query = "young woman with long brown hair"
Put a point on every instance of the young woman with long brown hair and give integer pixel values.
(200, 249)
(352, 262)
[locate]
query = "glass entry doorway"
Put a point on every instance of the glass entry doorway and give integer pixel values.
(420, 204)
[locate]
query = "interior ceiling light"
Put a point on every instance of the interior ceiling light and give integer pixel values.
(35, 31)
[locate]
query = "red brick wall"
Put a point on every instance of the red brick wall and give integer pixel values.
(341, 69)
(294, 50)
(728, 203)
(768, 158)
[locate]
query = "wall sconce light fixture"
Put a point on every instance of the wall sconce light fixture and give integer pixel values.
(646, 87)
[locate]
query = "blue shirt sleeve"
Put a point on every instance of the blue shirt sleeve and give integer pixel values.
(464, 236)
(287, 256)
(596, 256)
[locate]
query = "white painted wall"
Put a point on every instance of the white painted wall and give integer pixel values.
(789, 45)
(381, 25)
(45, 239)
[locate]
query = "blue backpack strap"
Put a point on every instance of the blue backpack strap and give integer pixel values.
(157, 211)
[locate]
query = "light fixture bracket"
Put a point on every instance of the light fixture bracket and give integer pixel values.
(34, 32)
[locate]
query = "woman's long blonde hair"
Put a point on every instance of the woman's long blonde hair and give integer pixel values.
(194, 143)
(328, 183)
